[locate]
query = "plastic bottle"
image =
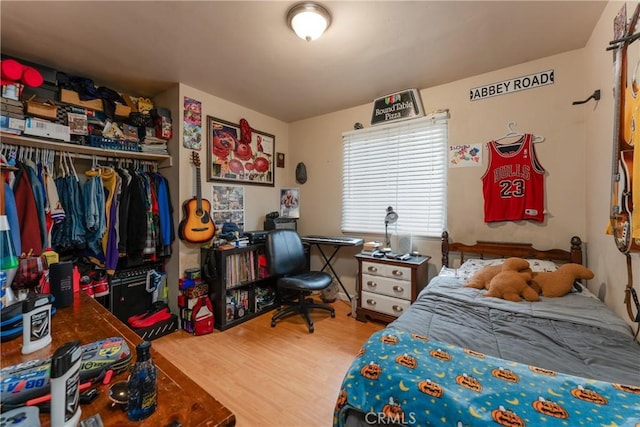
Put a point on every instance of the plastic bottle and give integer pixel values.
(65, 385)
(36, 323)
(143, 388)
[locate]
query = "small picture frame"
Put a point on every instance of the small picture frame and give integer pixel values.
(290, 203)
(280, 160)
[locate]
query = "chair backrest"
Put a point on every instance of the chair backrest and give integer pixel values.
(285, 252)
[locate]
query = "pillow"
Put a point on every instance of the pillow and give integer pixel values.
(540, 265)
(470, 266)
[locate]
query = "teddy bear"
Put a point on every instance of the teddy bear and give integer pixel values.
(558, 283)
(512, 285)
(481, 278)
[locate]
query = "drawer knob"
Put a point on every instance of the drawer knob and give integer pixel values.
(371, 284)
(398, 288)
(371, 302)
(372, 269)
(397, 273)
(398, 308)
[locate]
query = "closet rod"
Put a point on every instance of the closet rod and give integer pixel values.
(89, 156)
(116, 158)
(165, 160)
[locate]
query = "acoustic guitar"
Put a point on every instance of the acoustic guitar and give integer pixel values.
(622, 157)
(196, 225)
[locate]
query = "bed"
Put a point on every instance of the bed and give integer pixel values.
(458, 358)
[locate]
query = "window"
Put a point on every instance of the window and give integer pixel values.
(403, 165)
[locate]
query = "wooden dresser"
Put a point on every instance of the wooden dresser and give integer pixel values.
(388, 286)
(179, 398)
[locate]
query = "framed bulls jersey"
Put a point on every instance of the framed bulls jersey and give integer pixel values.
(513, 184)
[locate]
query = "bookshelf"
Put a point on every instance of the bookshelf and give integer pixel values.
(242, 288)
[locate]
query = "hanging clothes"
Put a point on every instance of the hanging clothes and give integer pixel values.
(111, 254)
(95, 217)
(513, 184)
(166, 215)
(123, 211)
(38, 194)
(30, 237)
(11, 211)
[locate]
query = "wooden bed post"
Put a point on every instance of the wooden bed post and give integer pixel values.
(576, 250)
(445, 249)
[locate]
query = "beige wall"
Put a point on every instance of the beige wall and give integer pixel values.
(605, 260)
(259, 200)
(545, 111)
(576, 154)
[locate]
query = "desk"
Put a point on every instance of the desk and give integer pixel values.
(179, 397)
(337, 243)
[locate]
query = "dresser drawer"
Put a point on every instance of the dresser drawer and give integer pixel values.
(384, 304)
(386, 270)
(386, 286)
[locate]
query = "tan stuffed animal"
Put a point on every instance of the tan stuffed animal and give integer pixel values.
(558, 283)
(482, 277)
(511, 285)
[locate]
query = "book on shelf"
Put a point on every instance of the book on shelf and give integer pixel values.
(371, 246)
(240, 268)
(369, 253)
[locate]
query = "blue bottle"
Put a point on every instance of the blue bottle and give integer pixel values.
(143, 388)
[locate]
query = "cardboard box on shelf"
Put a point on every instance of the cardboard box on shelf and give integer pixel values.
(70, 97)
(46, 129)
(11, 125)
(122, 110)
(131, 102)
(46, 110)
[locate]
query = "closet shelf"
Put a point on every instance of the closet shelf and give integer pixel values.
(163, 160)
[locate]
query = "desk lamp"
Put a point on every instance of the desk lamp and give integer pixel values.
(390, 218)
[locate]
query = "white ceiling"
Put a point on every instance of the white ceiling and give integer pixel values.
(244, 52)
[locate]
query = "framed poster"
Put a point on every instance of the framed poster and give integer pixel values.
(227, 205)
(232, 160)
(289, 203)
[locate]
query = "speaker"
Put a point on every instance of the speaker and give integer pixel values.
(61, 283)
(404, 244)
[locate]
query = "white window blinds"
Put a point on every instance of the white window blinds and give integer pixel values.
(403, 165)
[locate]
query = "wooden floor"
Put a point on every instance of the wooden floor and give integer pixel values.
(282, 376)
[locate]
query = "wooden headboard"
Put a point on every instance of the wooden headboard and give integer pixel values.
(504, 249)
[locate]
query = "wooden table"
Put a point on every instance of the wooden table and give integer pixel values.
(179, 398)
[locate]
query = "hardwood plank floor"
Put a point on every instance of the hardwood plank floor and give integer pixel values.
(282, 376)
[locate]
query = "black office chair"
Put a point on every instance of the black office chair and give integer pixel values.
(287, 261)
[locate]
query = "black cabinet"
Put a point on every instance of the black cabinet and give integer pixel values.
(241, 287)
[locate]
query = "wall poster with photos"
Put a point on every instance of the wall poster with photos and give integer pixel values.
(290, 203)
(236, 158)
(227, 205)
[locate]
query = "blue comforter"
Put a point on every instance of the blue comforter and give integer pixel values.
(418, 371)
(407, 379)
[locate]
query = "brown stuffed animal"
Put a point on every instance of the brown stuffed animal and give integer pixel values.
(510, 285)
(482, 277)
(558, 283)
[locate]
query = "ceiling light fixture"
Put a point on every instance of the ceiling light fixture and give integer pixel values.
(308, 19)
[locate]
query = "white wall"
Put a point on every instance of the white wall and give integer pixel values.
(605, 260)
(576, 154)
(545, 111)
(259, 200)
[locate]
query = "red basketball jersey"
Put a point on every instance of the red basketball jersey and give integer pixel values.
(513, 184)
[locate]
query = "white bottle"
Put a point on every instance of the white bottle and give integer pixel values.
(36, 323)
(65, 385)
